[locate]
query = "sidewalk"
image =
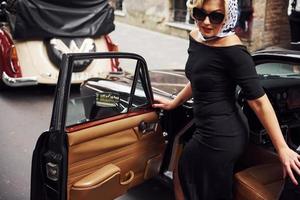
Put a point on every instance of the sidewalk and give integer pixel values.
(160, 51)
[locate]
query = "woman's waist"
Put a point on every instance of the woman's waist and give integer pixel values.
(222, 142)
(217, 108)
(227, 124)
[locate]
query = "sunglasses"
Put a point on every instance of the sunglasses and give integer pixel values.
(215, 17)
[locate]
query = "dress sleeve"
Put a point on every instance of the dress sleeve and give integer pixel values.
(242, 70)
(188, 64)
(188, 72)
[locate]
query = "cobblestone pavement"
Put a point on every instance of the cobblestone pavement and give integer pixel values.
(159, 50)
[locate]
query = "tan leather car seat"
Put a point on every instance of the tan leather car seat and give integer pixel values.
(261, 182)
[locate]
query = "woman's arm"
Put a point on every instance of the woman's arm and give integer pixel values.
(183, 95)
(265, 112)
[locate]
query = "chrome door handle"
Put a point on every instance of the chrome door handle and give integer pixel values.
(146, 127)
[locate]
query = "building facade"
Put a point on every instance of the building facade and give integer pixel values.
(262, 23)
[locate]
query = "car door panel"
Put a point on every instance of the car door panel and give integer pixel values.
(102, 141)
(120, 143)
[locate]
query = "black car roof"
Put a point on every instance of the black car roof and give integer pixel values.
(277, 54)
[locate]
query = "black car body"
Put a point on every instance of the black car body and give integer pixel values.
(108, 138)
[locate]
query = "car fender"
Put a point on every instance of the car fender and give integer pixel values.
(6, 44)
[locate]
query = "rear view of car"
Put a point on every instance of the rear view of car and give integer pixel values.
(34, 34)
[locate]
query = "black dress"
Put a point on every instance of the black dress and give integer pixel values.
(206, 164)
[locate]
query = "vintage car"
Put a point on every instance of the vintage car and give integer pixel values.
(35, 33)
(107, 137)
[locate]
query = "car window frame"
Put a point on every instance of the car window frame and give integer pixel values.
(57, 145)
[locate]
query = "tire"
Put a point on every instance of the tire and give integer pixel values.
(3, 86)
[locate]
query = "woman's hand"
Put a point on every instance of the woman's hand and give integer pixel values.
(183, 95)
(290, 162)
(163, 103)
(265, 112)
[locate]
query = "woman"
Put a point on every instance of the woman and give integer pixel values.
(217, 63)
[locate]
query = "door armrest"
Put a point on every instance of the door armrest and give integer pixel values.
(98, 177)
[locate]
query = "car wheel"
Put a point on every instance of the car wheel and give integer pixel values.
(2, 84)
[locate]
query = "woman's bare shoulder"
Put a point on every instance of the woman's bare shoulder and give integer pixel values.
(233, 40)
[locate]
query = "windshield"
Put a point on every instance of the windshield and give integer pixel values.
(109, 94)
(279, 69)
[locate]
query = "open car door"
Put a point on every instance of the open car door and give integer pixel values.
(103, 140)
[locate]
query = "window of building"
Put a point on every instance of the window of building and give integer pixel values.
(119, 6)
(180, 10)
(180, 17)
(244, 25)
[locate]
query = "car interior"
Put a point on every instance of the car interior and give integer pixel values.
(262, 176)
(116, 140)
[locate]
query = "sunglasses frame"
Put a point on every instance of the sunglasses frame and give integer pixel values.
(209, 15)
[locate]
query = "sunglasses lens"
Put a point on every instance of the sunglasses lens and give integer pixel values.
(199, 14)
(216, 17)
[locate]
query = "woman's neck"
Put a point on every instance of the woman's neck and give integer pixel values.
(218, 42)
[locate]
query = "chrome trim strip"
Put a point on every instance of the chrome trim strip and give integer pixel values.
(168, 73)
(18, 82)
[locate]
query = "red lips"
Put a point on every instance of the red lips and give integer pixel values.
(206, 30)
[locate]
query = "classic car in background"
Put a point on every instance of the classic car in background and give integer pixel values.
(35, 33)
(107, 138)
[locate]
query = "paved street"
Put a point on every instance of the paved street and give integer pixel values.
(26, 112)
(159, 50)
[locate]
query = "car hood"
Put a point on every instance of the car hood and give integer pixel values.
(167, 82)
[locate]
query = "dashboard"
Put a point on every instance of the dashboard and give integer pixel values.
(286, 101)
(284, 95)
(293, 99)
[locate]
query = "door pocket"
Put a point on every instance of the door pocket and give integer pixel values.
(105, 182)
(153, 166)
